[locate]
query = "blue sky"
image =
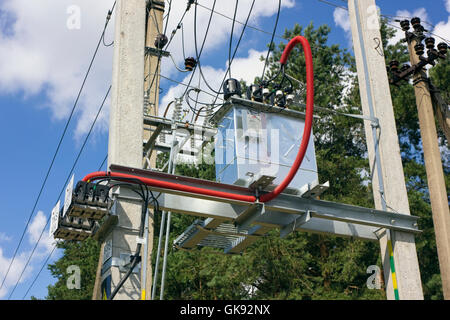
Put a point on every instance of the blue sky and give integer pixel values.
(44, 55)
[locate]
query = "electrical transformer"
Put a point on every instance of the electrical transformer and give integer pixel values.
(258, 141)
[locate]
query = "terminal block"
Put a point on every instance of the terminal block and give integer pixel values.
(85, 207)
(70, 228)
(89, 201)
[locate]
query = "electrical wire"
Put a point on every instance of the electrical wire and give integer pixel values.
(199, 53)
(231, 37)
(175, 64)
(242, 23)
(40, 270)
(237, 46)
(59, 145)
(103, 162)
(167, 45)
(136, 258)
(62, 190)
(182, 41)
(188, 86)
(271, 40)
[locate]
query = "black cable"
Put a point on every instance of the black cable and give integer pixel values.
(198, 55)
(242, 23)
(271, 40)
(167, 45)
(57, 148)
(37, 276)
(62, 190)
(199, 65)
(103, 162)
(136, 258)
(231, 36)
(230, 61)
(237, 46)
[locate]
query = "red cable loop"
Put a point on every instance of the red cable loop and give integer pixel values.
(308, 118)
(295, 166)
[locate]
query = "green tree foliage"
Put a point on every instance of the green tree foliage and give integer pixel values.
(83, 255)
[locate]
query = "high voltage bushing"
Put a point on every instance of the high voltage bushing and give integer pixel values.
(280, 98)
(443, 48)
(420, 49)
(394, 65)
(254, 93)
(432, 54)
(429, 43)
(161, 41)
(405, 25)
(405, 67)
(190, 63)
(417, 26)
(231, 87)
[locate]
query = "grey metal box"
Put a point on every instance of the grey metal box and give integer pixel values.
(254, 140)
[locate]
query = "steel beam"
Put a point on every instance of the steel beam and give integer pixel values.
(325, 217)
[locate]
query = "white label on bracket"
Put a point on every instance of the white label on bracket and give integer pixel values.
(54, 219)
(68, 196)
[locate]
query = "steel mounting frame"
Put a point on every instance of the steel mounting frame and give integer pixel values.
(287, 212)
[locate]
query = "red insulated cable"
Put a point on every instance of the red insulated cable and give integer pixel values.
(298, 160)
(308, 118)
(172, 186)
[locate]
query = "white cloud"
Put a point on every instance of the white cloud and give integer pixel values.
(442, 29)
(40, 54)
(342, 19)
(4, 237)
(14, 272)
(405, 14)
(43, 249)
(34, 232)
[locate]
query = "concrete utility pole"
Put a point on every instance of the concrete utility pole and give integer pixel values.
(151, 93)
(402, 277)
(125, 140)
(433, 165)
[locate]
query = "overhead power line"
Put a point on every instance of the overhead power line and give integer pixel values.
(39, 273)
(62, 189)
(271, 40)
(237, 46)
(59, 144)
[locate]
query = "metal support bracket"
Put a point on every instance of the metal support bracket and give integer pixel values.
(261, 182)
(314, 189)
(246, 218)
(156, 52)
(291, 227)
